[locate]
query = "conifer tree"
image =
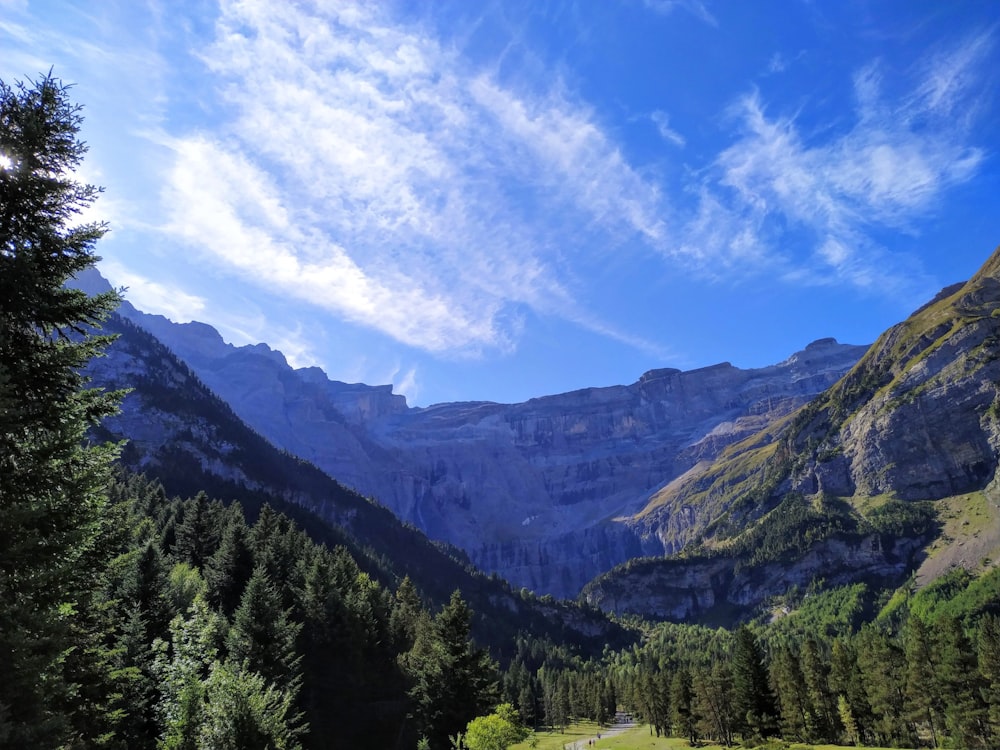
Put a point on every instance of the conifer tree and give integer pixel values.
(453, 680)
(824, 725)
(847, 684)
(52, 486)
(883, 667)
(406, 612)
(713, 702)
(229, 568)
(988, 650)
(262, 637)
(793, 697)
(145, 588)
(961, 685)
(683, 718)
(753, 701)
(197, 535)
(923, 705)
(527, 702)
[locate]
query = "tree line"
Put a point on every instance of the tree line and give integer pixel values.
(925, 673)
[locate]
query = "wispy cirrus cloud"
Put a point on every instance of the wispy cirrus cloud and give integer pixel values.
(368, 170)
(885, 171)
(697, 8)
(153, 296)
(662, 121)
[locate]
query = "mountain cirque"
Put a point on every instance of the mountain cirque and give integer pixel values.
(539, 492)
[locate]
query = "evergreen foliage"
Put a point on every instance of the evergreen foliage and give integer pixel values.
(52, 485)
(453, 680)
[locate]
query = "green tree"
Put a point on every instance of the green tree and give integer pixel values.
(753, 702)
(923, 706)
(453, 680)
(989, 668)
(961, 684)
(53, 486)
(683, 720)
(883, 666)
(231, 565)
(197, 535)
(847, 684)
(244, 712)
(713, 702)
(183, 665)
(824, 725)
(793, 697)
(406, 612)
(262, 638)
(497, 731)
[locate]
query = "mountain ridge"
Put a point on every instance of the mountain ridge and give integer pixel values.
(181, 434)
(915, 421)
(530, 491)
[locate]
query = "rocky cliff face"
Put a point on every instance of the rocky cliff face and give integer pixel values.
(532, 491)
(181, 434)
(916, 419)
(713, 589)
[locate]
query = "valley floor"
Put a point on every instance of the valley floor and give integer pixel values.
(638, 737)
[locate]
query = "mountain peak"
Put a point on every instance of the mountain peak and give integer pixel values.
(824, 343)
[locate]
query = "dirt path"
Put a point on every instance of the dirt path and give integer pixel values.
(605, 733)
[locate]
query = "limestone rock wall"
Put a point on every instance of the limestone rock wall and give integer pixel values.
(530, 491)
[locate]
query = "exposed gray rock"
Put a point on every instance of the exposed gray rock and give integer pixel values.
(917, 419)
(529, 490)
(683, 590)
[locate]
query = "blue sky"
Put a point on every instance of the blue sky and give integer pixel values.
(501, 200)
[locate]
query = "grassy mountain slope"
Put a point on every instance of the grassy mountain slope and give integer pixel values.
(890, 469)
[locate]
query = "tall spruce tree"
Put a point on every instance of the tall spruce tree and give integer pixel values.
(824, 725)
(53, 487)
(989, 667)
(263, 635)
(754, 707)
(454, 681)
(883, 670)
(921, 699)
(847, 684)
(683, 719)
(793, 696)
(961, 685)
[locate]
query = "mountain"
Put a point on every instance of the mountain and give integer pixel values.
(889, 473)
(534, 491)
(180, 433)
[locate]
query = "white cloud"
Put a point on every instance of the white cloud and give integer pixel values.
(948, 77)
(233, 211)
(697, 8)
(405, 383)
(367, 170)
(886, 171)
(152, 296)
(777, 64)
(662, 122)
